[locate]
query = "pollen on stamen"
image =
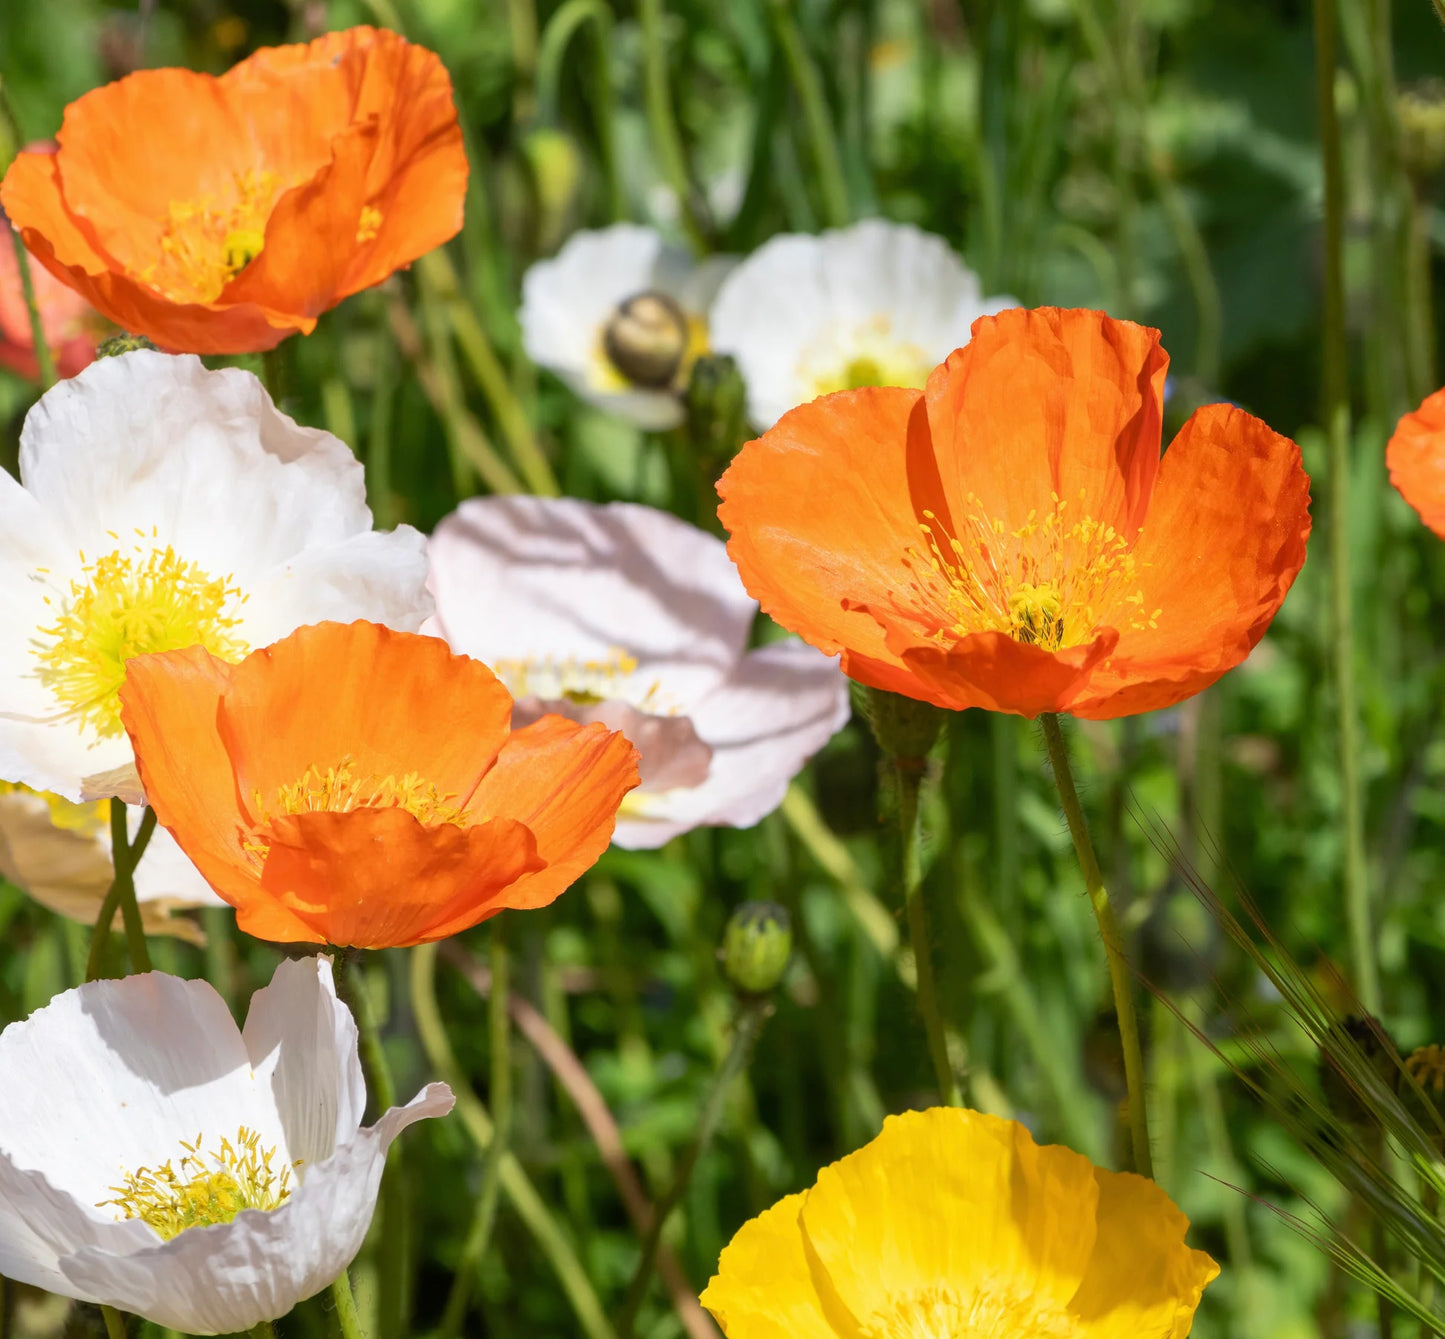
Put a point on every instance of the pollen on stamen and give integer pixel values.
(203, 1189)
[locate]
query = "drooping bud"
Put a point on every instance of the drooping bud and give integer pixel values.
(556, 170)
(905, 728)
(756, 946)
(119, 344)
(647, 339)
(716, 402)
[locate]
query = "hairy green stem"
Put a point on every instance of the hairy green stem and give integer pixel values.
(125, 856)
(351, 986)
(516, 1185)
(1337, 426)
(263, 1330)
(752, 1014)
(909, 774)
(44, 358)
(1120, 977)
(666, 141)
(499, 1026)
(114, 1322)
(809, 87)
(348, 1319)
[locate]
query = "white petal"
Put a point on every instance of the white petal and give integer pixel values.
(166, 874)
(797, 294)
(780, 706)
(213, 1280)
(527, 577)
(109, 1077)
(302, 1043)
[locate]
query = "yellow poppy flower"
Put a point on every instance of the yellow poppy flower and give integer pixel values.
(956, 1225)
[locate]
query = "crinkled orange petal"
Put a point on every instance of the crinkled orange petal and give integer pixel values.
(333, 691)
(1416, 457)
(378, 878)
(1049, 402)
(170, 705)
(565, 782)
(1142, 1278)
(1222, 544)
(821, 518)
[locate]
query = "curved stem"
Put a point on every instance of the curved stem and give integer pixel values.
(44, 358)
(500, 1036)
(751, 1017)
(1119, 974)
(125, 856)
(1337, 426)
(809, 87)
(114, 1322)
(348, 1319)
(666, 140)
(909, 773)
(520, 1191)
(352, 988)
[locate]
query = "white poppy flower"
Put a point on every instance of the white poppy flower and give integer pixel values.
(627, 615)
(160, 506)
(621, 317)
(59, 853)
(876, 304)
(156, 1158)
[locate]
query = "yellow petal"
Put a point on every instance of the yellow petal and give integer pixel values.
(953, 1213)
(762, 1289)
(1142, 1278)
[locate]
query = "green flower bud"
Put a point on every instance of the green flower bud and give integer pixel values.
(647, 339)
(716, 402)
(756, 946)
(556, 169)
(904, 727)
(119, 344)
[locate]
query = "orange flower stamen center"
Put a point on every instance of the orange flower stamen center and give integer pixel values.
(1050, 582)
(208, 241)
(129, 604)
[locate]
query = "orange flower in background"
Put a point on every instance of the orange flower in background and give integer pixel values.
(358, 786)
(1010, 538)
(1416, 458)
(219, 215)
(72, 326)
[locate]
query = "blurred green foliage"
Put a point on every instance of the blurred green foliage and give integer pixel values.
(1156, 158)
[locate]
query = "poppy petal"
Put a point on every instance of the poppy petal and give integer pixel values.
(1416, 457)
(1223, 543)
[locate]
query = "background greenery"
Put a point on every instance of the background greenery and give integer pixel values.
(1157, 158)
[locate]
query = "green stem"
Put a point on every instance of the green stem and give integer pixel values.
(564, 23)
(500, 1036)
(351, 986)
(1337, 426)
(523, 23)
(44, 358)
(125, 856)
(517, 1186)
(666, 141)
(909, 773)
(264, 1330)
(114, 1322)
(1119, 975)
(276, 373)
(378, 441)
(809, 86)
(752, 1015)
(348, 1319)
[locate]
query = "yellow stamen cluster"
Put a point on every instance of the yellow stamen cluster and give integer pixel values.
(339, 790)
(983, 1313)
(369, 224)
(581, 682)
(129, 604)
(1050, 582)
(66, 814)
(207, 242)
(204, 1188)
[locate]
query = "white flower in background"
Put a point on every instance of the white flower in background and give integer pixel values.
(59, 853)
(156, 1158)
(877, 304)
(162, 506)
(621, 318)
(627, 615)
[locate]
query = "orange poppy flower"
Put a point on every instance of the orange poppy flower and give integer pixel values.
(353, 785)
(219, 215)
(1416, 458)
(1010, 538)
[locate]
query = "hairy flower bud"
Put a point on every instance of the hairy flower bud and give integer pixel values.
(756, 946)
